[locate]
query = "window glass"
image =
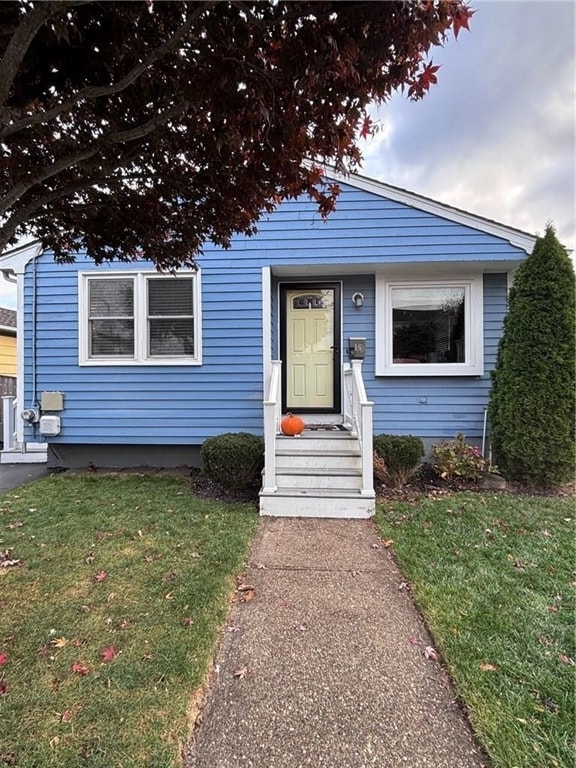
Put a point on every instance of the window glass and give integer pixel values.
(170, 316)
(111, 318)
(428, 325)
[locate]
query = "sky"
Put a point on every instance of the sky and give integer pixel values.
(495, 136)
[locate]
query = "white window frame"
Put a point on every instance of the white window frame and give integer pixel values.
(141, 356)
(473, 323)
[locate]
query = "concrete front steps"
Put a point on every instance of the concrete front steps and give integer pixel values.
(318, 474)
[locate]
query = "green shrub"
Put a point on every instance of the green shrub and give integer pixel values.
(396, 458)
(454, 459)
(234, 460)
(531, 409)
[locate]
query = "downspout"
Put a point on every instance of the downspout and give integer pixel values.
(35, 402)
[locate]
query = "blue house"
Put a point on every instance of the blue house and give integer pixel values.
(383, 319)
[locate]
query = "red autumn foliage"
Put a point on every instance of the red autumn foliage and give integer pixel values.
(156, 128)
(109, 653)
(80, 669)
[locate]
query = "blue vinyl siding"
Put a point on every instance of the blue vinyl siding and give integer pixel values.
(186, 404)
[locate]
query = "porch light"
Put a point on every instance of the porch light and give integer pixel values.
(358, 299)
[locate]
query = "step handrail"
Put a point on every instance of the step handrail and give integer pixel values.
(9, 439)
(358, 416)
(272, 416)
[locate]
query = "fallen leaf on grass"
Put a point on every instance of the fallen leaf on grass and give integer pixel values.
(100, 576)
(109, 653)
(80, 669)
(486, 666)
(16, 524)
(3, 687)
(188, 621)
(3, 659)
(388, 543)
(7, 560)
(66, 716)
(240, 673)
(552, 609)
(245, 588)
(59, 642)
(565, 659)
(430, 653)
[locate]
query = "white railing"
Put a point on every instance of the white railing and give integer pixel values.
(358, 417)
(272, 416)
(9, 438)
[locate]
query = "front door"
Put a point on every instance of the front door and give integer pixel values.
(310, 347)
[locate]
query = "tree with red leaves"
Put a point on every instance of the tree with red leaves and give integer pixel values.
(133, 129)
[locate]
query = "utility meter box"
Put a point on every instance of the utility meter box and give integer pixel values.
(52, 401)
(356, 348)
(49, 425)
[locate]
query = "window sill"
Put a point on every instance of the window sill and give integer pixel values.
(138, 363)
(417, 369)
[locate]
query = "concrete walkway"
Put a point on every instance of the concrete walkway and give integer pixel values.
(13, 475)
(329, 662)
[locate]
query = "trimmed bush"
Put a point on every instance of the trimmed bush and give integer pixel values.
(234, 460)
(531, 411)
(453, 458)
(396, 458)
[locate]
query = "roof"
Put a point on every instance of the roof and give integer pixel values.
(7, 318)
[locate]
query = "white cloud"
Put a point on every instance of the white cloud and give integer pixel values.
(496, 135)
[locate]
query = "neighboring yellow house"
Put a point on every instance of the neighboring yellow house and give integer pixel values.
(7, 351)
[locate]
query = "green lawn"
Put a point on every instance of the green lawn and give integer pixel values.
(493, 575)
(109, 614)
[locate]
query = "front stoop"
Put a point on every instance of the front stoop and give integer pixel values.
(34, 453)
(318, 475)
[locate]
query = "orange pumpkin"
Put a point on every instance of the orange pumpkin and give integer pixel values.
(291, 425)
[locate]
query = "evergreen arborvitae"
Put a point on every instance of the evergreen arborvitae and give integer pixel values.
(531, 410)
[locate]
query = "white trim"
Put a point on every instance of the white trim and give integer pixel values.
(516, 237)
(474, 328)
(266, 328)
(140, 357)
(17, 258)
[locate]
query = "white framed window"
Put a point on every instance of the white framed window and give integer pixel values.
(139, 318)
(429, 327)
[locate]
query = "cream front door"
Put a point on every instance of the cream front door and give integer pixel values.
(310, 352)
